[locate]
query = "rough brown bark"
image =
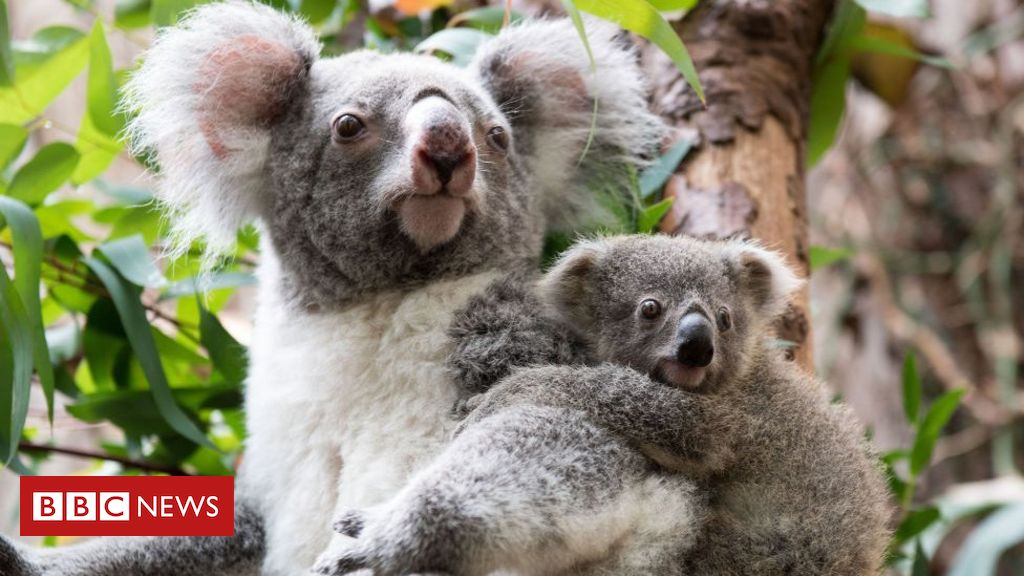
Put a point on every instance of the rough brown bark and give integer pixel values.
(746, 176)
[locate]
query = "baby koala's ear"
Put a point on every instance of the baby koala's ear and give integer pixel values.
(561, 104)
(567, 289)
(764, 276)
(206, 97)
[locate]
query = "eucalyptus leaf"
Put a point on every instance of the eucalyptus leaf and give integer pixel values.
(654, 177)
(822, 256)
(911, 389)
(16, 359)
(133, 317)
(12, 140)
(45, 65)
(641, 18)
(460, 44)
(45, 172)
(227, 355)
(6, 54)
(931, 427)
(28, 256)
(651, 216)
(133, 260)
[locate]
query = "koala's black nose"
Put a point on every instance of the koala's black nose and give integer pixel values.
(695, 341)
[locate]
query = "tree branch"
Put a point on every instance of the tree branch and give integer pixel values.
(126, 462)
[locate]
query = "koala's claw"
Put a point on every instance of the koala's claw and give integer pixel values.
(350, 523)
(347, 563)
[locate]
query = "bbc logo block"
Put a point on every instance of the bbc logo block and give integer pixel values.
(127, 506)
(81, 506)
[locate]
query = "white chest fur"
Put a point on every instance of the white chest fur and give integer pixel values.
(344, 407)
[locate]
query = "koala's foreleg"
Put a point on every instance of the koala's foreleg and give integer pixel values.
(502, 328)
(682, 431)
(238, 555)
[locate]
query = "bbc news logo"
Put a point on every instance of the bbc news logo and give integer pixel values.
(127, 505)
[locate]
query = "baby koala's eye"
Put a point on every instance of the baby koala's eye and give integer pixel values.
(650, 309)
(498, 138)
(347, 127)
(724, 319)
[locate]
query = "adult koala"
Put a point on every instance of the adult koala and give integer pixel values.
(389, 189)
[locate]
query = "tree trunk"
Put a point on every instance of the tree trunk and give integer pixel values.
(746, 175)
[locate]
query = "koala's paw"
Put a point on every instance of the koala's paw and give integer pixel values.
(335, 562)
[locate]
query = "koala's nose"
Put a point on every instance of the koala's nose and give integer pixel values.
(695, 341)
(444, 158)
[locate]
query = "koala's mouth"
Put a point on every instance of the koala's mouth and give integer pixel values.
(674, 373)
(430, 220)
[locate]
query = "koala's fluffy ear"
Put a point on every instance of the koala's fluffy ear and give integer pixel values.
(206, 96)
(764, 276)
(540, 76)
(566, 290)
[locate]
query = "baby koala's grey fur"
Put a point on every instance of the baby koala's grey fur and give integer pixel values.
(790, 483)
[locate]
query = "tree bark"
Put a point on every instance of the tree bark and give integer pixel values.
(746, 175)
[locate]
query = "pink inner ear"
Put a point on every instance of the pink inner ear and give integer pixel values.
(243, 83)
(561, 81)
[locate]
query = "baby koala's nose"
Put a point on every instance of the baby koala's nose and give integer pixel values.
(695, 341)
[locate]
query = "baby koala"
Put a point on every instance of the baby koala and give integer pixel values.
(551, 472)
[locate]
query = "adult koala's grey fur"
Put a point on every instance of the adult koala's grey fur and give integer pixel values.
(390, 189)
(791, 485)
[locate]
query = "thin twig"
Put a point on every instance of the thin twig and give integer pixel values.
(127, 462)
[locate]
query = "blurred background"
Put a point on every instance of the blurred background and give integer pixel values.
(915, 216)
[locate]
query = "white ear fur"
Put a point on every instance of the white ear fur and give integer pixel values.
(765, 274)
(212, 187)
(565, 288)
(541, 76)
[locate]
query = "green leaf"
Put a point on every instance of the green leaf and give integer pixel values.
(167, 12)
(207, 283)
(928, 433)
(650, 216)
(133, 261)
(673, 5)
(915, 522)
(828, 103)
(97, 140)
(227, 355)
(135, 412)
(897, 8)
(656, 175)
(6, 54)
(45, 65)
(132, 14)
(133, 318)
(920, 566)
(12, 140)
(847, 24)
(641, 18)
(822, 256)
(101, 89)
(980, 553)
(459, 44)
(911, 389)
(16, 358)
(882, 46)
(44, 173)
(316, 11)
(488, 19)
(28, 256)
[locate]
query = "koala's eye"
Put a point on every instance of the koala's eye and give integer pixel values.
(724, 319)
(347, 127)
(498, 138)
(650, 309)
